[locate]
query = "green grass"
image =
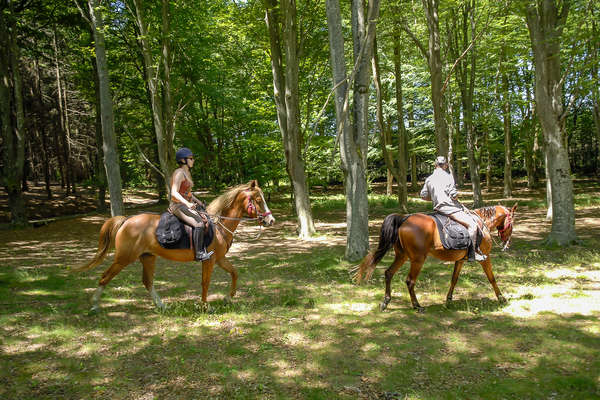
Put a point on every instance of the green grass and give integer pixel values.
(298, 328)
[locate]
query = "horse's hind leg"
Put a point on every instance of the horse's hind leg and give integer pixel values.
(148, 262)
(227, 266)
(411, 280)
(487, 268)
(110, 273)
(457, 267)
(389, 274)
(121, 261)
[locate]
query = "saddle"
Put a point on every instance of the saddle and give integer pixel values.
(452, 235)
(171, 233)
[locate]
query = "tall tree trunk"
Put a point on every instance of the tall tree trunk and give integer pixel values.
(109, 146)
(352, 149)
(61, 149)
(12, 118)
(595, 72)
(413, 157)
(163, 135)
(40, 126)
(101, 182)
(435, 68)
(508, 184)
(395, 165)
(403, 153)
(167, 106)
(286, 93)
(546, 22)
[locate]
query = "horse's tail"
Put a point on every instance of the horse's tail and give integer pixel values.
(105, 243)
(387, 237)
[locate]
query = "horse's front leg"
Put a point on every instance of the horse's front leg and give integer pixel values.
(457, 267)
(227, 266)
(207, 268)
(487, 268)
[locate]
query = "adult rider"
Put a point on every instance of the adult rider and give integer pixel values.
(183, 202)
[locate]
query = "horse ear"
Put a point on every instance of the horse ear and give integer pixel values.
(512, 210)
(253, 183)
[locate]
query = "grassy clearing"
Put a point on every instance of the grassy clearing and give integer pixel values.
(298, 328)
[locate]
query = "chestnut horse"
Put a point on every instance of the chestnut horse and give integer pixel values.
(414, 237)
(134, 238)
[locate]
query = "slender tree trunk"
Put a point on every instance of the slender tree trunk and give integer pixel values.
(435, 68)
(595, 72)
(413, 157)
(101, 182)
(286, 93)
(39, 105)
(167, 106)
(398, 168)
(61, 152)
(162, 132)
(508, 184)
(402, 134)
(11, 118)
(545, 22)
(389, 186)
(352, 149)
(109, 147)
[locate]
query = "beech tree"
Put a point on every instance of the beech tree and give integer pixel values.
(546, 20)
(284, 63)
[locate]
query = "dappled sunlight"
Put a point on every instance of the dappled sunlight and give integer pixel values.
(297, 327)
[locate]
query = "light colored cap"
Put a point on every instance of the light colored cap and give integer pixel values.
(440, 160)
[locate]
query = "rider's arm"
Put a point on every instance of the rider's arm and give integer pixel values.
(425, 195)
(452, 192)
(175, 185)
(198, 201)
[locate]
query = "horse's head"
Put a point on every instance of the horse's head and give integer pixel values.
(256, 205)
(505, 219)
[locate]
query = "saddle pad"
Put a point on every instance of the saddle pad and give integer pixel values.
(185, 239)
(454, 236)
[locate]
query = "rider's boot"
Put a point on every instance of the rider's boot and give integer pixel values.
(201, 253)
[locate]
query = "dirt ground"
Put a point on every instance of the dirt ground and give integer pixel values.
(39, 207)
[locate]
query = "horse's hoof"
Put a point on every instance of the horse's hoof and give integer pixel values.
(161, 307)
(94, 310)
(227, 300)
(501, 299)
(448, 303)
(383, 306)
(420, 310)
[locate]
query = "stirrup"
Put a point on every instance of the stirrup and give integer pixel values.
(204, 255)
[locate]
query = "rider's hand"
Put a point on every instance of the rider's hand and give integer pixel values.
(191, 205)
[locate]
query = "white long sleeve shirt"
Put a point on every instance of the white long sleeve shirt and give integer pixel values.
(439, 187)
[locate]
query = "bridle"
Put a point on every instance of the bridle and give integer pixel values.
(508, 222)
(252, 208)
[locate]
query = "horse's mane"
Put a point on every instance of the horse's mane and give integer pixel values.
(487, 213)
(226, 200)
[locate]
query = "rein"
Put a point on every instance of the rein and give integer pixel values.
(251, 208)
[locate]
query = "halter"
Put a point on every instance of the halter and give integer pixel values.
(508, 221)
(252, 208)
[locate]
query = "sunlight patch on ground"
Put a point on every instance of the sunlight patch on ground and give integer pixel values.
(553, 299)
(346, 307)
(295, 338)
(285, 369)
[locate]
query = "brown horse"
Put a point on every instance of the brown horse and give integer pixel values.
(416, 235)
(134, 238)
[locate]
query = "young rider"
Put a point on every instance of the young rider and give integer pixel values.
(183, 202)
(440, 189)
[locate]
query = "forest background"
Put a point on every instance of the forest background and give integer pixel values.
(101, 93)
(338, 109)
